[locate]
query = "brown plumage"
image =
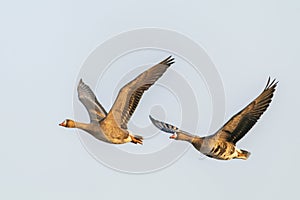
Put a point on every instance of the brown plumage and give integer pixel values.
(112, 127)
(221, 145)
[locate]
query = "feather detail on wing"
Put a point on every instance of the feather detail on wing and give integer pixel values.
(89, 100)
(130, 95)
(242, 122)
(168, 128)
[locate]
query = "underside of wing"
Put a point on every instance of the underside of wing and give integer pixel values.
(89, 100)
(130, 95)
(168, 128)
(242, 122)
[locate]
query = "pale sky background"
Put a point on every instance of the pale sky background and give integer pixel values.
(43, 46)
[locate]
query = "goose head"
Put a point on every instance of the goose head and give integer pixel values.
(68, 123)
(173, 136)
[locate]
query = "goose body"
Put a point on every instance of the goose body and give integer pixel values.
(111, 127)
(222, 144)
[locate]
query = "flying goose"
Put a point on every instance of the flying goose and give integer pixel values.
(221, 145)
(112, 127)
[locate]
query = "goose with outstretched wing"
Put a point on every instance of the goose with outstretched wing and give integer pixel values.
(222, 144)
(111, 127)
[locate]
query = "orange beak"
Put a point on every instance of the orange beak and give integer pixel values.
(62, 124)
(173, 136)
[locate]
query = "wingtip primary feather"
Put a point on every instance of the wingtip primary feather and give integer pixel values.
(80, 84)
(154, 122)
(168, 61)
(151, 118)
(271, 84)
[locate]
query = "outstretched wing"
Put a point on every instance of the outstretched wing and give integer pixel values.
(168, 128)
(130, 95)
(242, 122)
(89, 100)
